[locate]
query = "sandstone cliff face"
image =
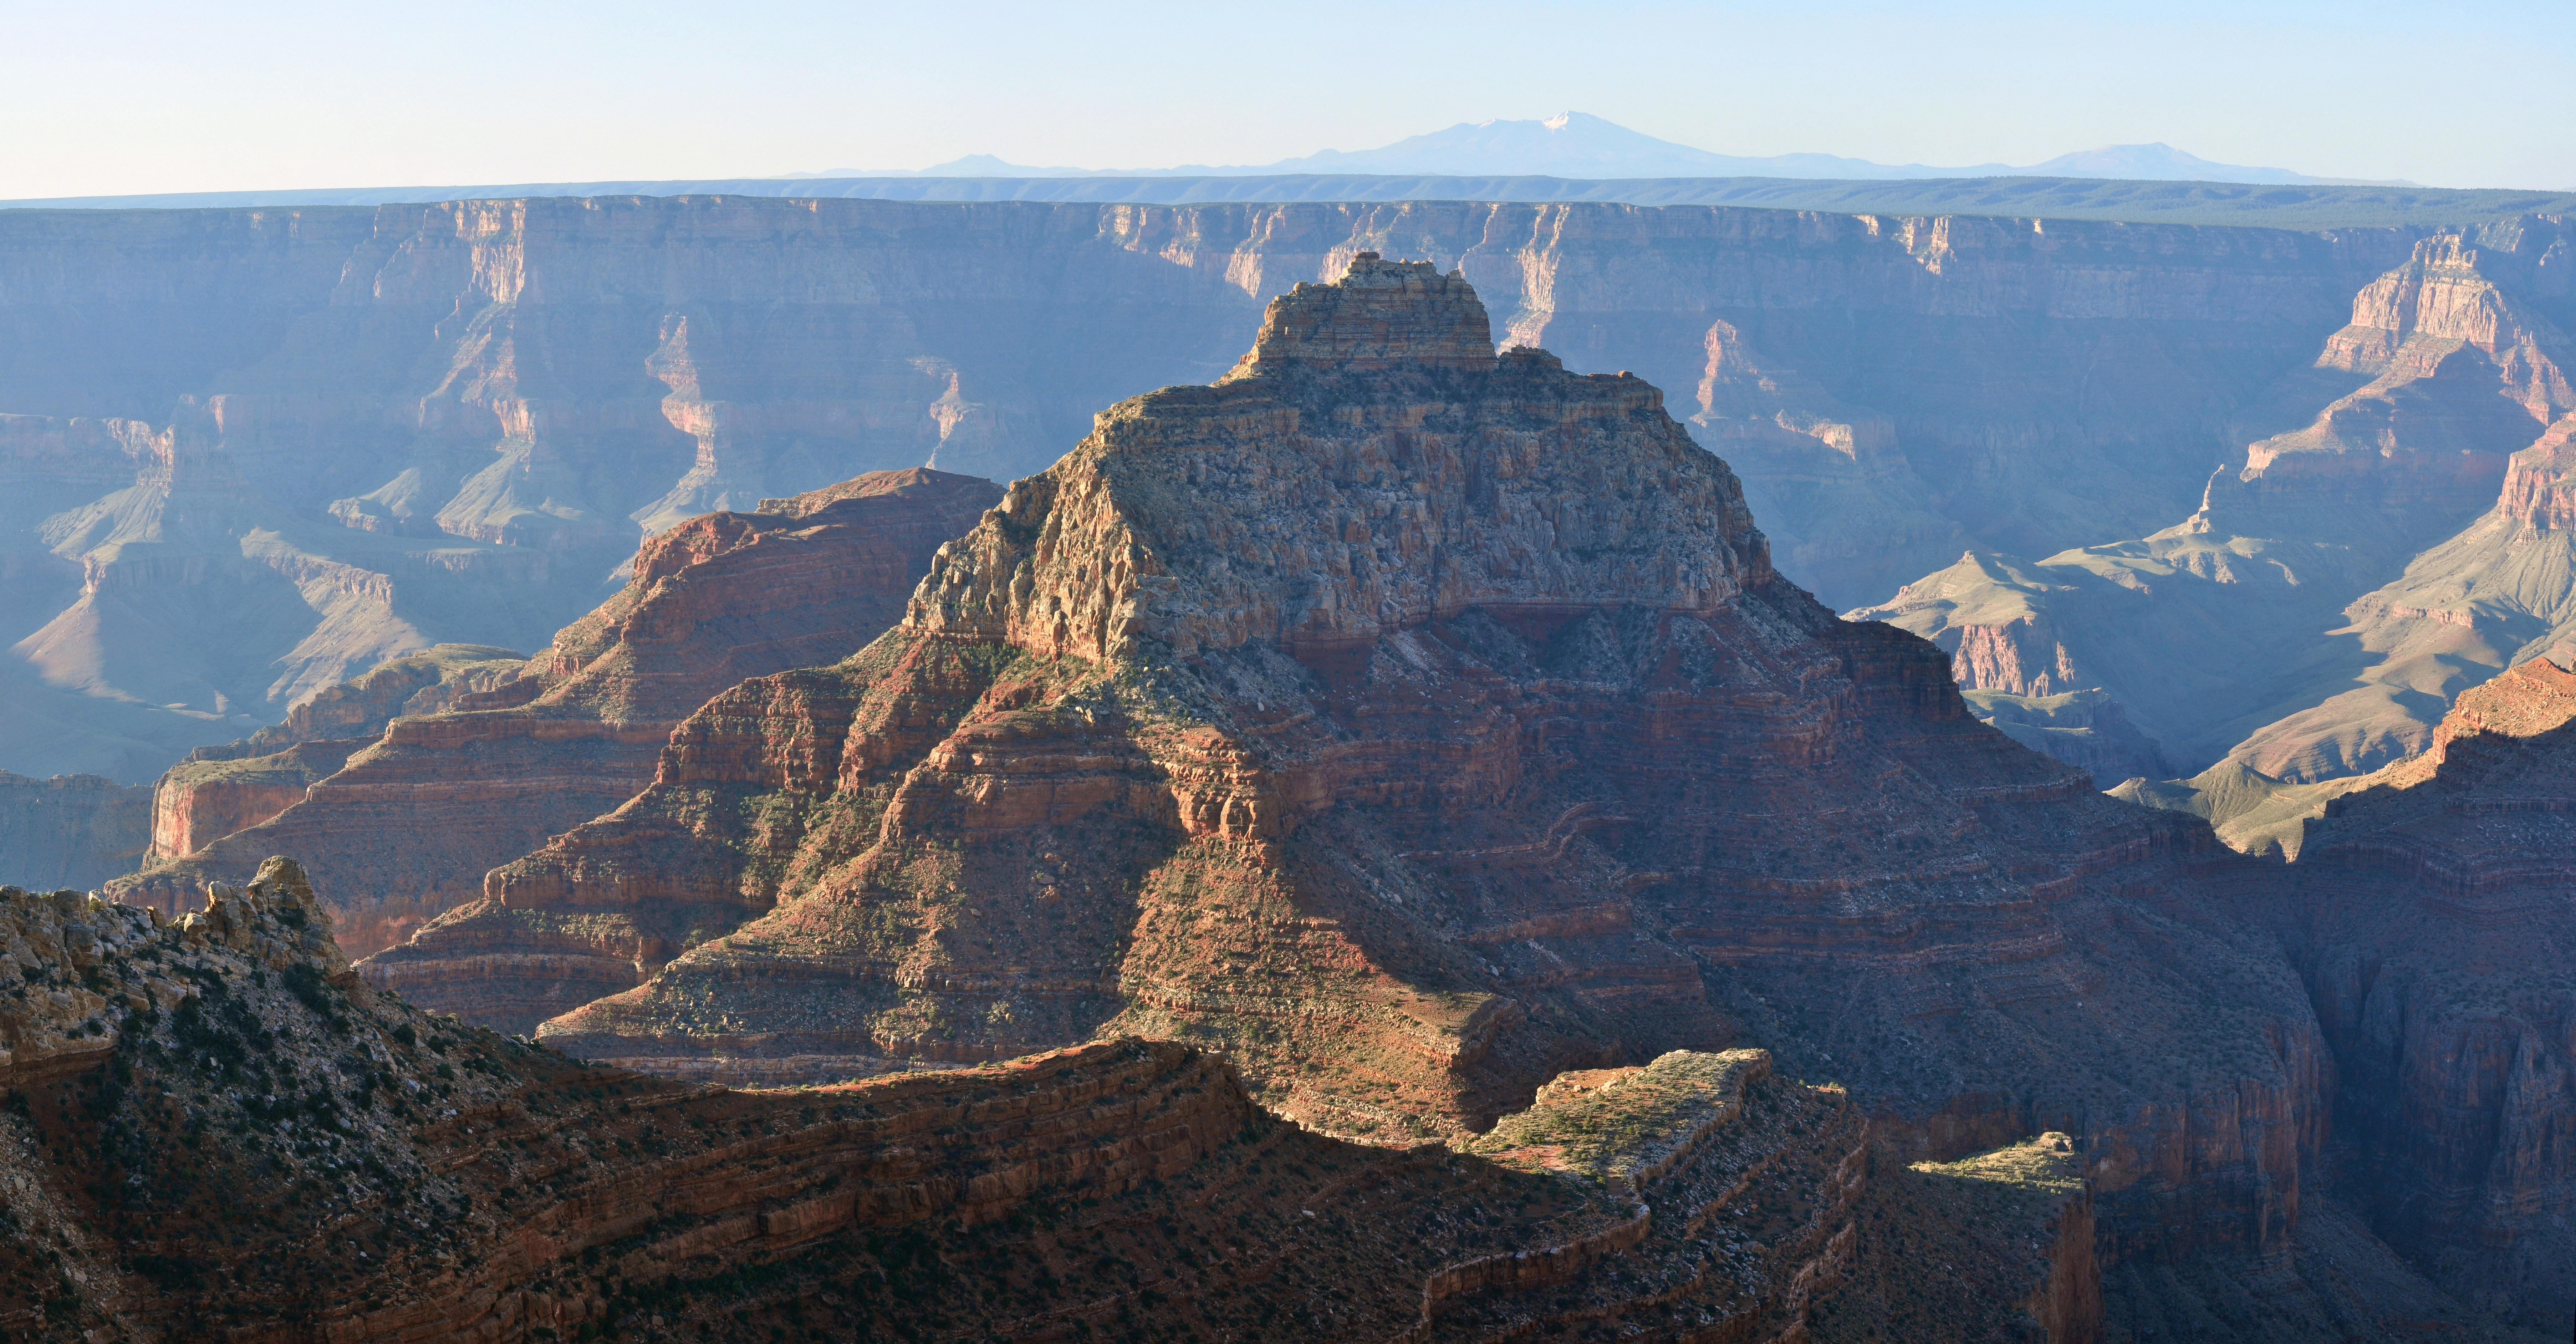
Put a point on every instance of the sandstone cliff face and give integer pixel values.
(712, 601)
(2251, 631)
(71, 830)
(317, 439)
(1417, 723)
(2428, 913)
(198, 803)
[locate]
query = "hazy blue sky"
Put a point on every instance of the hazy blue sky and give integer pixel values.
(115, 97)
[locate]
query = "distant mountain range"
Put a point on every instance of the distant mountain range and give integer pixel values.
(1579, 145)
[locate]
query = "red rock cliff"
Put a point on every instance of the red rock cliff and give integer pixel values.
(714, 600)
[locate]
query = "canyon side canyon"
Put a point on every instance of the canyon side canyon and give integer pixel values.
(1397, 775)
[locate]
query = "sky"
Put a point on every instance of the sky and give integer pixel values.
(135, 96)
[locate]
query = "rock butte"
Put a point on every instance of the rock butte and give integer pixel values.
(570, 735)
(1417, 723)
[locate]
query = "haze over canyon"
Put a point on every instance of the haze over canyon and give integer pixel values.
(1326, 769)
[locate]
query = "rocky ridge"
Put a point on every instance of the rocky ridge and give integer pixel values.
(495, 772)
(217, 1131)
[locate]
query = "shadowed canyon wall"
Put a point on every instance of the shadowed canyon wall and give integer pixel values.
(2387, 531)
(249, 453)
(2429, 914)
(72, 830)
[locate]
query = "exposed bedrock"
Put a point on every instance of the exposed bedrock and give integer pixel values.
(2429, 916)
(217, 1130)
(1415, 724)
(497, 772)
(313, 440)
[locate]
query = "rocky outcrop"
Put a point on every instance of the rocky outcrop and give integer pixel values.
(338, 436)
(2251, 631)
(220, 790)
(198, 803)
(2428, 914)
(710, 602)
(217, 1131)
(71, 830)
(1417, 722)
(422, 1149)
(2252, 812)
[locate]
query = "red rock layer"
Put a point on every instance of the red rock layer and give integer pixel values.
(714, 600)
(218, 1132)
(193, 806)
(1417, 730)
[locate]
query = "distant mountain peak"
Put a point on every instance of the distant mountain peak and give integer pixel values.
(1581, 146)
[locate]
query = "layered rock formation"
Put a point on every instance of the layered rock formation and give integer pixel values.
(216, 1131)
(72, 830)
(2251, 631)
(496, 773)
(220, 790)
(251, 452)
(2429, 915)
(1417, 723)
